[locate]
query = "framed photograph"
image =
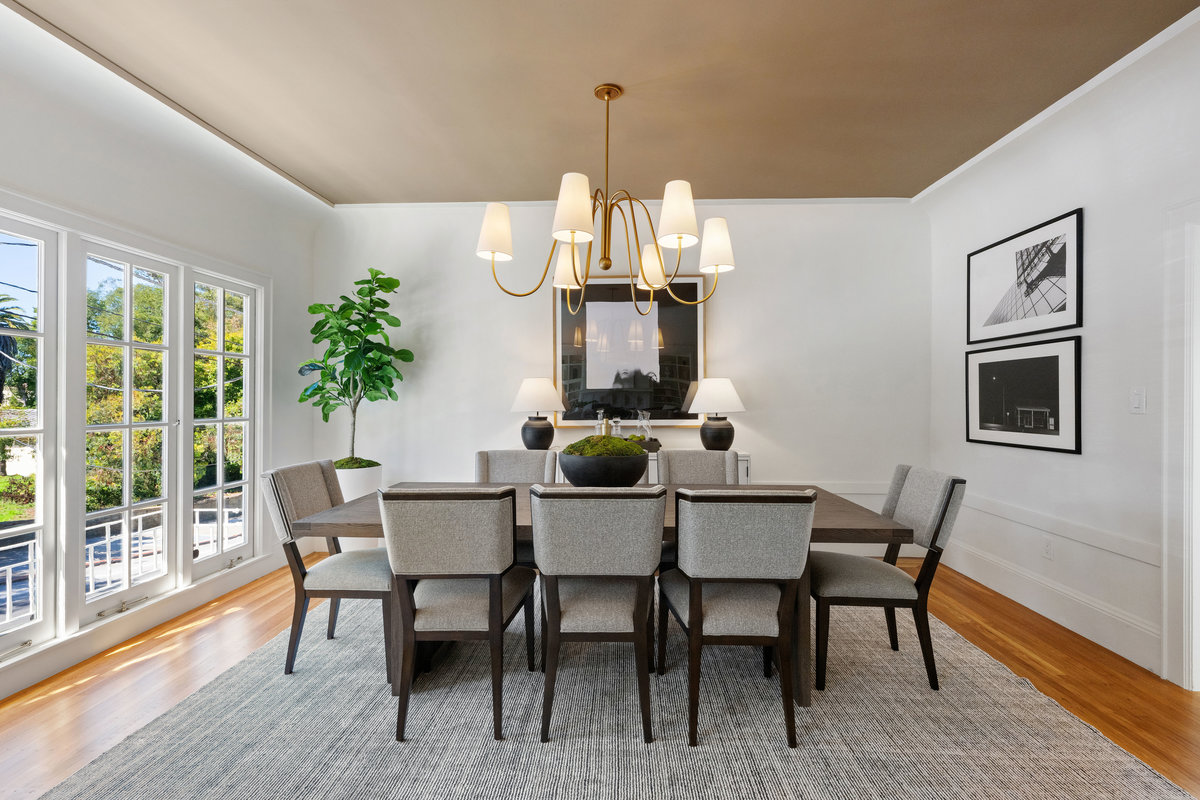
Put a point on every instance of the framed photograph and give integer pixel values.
(1025, 395)
(611, 359)
(1031, 282)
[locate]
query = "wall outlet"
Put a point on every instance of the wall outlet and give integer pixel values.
(1047, 548)
(1137, 400)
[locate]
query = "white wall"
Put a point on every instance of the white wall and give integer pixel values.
(1126, 151)
(823, 328)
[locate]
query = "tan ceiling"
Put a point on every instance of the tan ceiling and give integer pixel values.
(368, 101)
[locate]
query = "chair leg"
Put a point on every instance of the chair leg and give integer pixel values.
(650, 629)
(496, 645)
(543, 610)
(529, 631)
(889, 613)
(768, 657)
(693, 685)
(822, 641)
(662, 632)
(387, 636)
(334, 604)
(550, 665)
(641, 650)
(787, 622)
(298, 614)
(921, 617)
(407, 663)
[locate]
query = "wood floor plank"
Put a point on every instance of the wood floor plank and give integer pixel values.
(50, 730)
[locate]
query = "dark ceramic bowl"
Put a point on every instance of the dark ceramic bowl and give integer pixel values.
(603, 470)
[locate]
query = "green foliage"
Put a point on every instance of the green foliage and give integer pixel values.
(354, 463)
(19, 489)
(359, 362)
(603, 446)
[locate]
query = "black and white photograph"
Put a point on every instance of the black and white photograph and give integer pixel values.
(1025, 395)
(1027, 283)
(616, 361)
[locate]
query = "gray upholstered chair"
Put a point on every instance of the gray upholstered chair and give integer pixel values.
(698, 467)
(926, 501)
(453, 578)
(515, 466)
(741, 558)
(597, 550)
(295, 492)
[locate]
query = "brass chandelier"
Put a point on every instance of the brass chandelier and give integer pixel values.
(574, 225)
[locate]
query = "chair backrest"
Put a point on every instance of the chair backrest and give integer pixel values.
(452, 531)
(926, 501)
(597, 531)
(760, 534)
(698, 467)
(515, 466)
(295, 492)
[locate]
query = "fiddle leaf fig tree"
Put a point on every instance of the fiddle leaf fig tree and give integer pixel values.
(359, 362)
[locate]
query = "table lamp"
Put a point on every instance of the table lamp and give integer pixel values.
(714, 396)
(537, 395)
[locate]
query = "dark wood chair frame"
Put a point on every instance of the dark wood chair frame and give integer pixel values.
(919, 606)
(407, 637)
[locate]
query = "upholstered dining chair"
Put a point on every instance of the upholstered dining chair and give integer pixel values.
(453, 578)
(698, 467)
(926, 501)
(295, 492)
(742, 556)
(515, 466)
(597, 550)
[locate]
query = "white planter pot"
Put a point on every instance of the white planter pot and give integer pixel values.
(356, 483)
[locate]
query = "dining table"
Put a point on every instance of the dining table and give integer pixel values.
(836, 520)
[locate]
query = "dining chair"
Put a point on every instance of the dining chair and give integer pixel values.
(597, 550)
(453, 577)
(294, 492)
(698, 467)
(515, 466)
(926, 501)
(742, 556)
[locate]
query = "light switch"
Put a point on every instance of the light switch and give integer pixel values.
(1137, 400)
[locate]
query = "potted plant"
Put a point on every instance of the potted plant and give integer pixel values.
(603, 461)
(359, 364)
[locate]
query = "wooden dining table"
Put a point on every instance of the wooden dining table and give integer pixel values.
(835, 520)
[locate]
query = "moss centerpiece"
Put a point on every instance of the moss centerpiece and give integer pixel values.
(603, 461)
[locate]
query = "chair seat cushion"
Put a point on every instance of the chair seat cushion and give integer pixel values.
(729, 609)
(597, 605)
(356, 570)
(845, 575)
(461, 604)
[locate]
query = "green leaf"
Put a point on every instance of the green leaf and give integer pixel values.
(404, 355)
(317, 308)
(388, 284)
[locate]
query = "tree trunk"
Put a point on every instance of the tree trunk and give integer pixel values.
(353, 425)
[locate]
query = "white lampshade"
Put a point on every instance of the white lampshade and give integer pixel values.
(677, 222)
(652, 269)
(564, 270)
(495, 235)
(715, 395)
(573, 213)
(538, 394)
(716, 251)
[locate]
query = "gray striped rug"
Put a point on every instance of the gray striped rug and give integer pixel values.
(327, 731)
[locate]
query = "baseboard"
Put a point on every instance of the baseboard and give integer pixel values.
(1127, 635)
(50, 658)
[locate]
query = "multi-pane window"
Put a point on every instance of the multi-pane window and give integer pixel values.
(127, 443)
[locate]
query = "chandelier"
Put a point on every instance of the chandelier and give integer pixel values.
(575, 223)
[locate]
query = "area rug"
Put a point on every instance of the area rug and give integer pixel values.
(877, 731)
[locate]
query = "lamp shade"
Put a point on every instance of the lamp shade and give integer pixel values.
(567, 268)
(677, 222)
(495, 235)
(715, 396)
(716, 251)
(652, 276)
(573, 212)
(538, 394)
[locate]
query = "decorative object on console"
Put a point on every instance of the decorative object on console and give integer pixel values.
(537, 395)
(603, 461)
(714, 397)
(574, 225)
(1025, 395)
(1031, 282)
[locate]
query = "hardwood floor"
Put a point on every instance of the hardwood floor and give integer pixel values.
(52, 729)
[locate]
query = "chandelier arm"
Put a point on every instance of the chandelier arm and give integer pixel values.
(654, 236)
(629, 255)
(576, 309)
(545, 272)
(716, 276)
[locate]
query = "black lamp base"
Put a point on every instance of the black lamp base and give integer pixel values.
(538, 434)
(716, 433)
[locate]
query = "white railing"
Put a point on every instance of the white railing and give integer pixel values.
(206, 535)
(9, 571)
(103, 559)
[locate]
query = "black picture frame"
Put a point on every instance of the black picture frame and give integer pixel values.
(1030, 282)
(1026, 395)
